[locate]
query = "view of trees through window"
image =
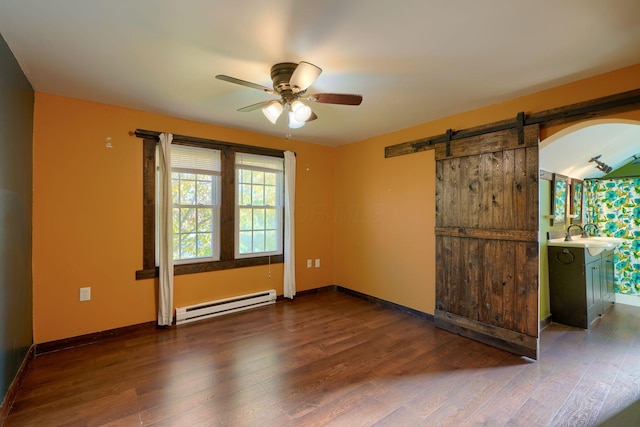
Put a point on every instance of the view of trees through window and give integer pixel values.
(258, 211)
(194, 206)
(227, 205)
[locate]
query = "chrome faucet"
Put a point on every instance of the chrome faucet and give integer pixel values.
(568, 236)
(584, 229)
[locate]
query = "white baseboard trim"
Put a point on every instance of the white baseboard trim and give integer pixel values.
(628, 299)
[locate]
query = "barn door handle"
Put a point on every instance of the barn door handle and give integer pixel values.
(563, 255)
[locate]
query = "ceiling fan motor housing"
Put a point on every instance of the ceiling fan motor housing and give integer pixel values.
(281, 75)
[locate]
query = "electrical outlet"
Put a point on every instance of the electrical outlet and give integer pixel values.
(309, 263)
(317, 262)
(85, 294)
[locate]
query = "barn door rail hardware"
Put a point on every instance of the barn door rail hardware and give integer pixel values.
(607, 105)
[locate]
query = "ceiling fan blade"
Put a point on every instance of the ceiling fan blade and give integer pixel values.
(302, 77)
(336, 98)
(245, 83)
(255, 106)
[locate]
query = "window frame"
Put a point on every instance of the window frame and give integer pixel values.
(278, 207)
(227, 206)
(215, 216)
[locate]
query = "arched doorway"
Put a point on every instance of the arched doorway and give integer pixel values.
(568, 152)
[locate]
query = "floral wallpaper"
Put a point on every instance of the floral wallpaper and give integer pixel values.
(614, 206)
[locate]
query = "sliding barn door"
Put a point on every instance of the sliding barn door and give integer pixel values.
(487, 239)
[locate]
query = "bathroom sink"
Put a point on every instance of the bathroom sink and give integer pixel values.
(594, 245)
(612, 240)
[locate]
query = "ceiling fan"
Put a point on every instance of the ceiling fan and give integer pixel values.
(290, 82)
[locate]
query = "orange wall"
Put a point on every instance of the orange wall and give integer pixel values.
(384, 227)
(385, 244)
(369, 219)
(87, 218)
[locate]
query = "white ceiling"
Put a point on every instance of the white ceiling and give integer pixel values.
(412, 60)
(569, 152)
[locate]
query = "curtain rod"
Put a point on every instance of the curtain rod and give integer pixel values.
(210, 143)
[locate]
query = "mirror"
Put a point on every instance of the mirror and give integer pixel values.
(559, 189)
(576, 201)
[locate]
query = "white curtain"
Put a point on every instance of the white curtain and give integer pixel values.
(165, 227)
(289, 228)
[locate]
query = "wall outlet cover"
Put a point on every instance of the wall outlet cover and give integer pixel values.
(85, 294)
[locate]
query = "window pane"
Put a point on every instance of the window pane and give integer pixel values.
(175, 190)
(271, 219)
(245, 194)
(245, 176)
(187, 220)
(188, 245)
(203, 192)
(205, 248)
(176, 221)
(176, 246)
(270, 178)
(258, 241)
(257, 177)
(187, 191)
(245, 244)
(258, 219)
(270, 196)
(205, 219)
(271, 242)
(257, 195)
(207, 178)
(245, 219)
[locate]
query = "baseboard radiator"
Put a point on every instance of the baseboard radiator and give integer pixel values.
(206, 310)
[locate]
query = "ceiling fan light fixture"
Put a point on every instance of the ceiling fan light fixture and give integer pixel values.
(301, 112)
(272, 111)
(293, 123)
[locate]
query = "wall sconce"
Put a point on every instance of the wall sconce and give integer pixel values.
(601, 165)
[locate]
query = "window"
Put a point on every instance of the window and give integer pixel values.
(259, 205)
(195, 190)
(228, 205)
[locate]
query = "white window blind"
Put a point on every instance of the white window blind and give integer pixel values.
(194, 159)
(257, 162)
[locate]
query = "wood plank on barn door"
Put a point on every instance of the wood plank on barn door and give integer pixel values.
(487, 239)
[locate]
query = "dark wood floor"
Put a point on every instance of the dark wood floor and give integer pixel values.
(333, 359)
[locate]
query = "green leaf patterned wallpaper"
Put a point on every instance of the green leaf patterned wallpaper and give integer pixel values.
(614, 206)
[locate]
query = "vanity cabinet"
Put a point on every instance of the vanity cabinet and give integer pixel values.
(581, 285)
(608, 276)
